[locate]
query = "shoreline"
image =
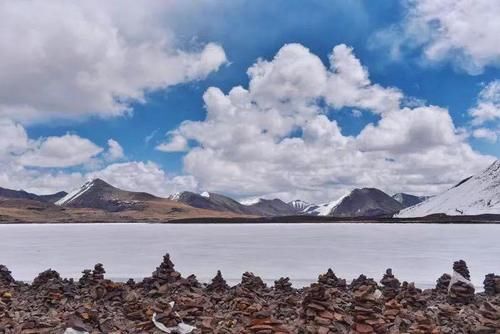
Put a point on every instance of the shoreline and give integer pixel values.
(445, 220)
(95, 304)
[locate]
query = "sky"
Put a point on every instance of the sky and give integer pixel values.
(284, 98)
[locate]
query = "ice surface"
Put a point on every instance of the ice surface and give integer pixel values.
(416, 252)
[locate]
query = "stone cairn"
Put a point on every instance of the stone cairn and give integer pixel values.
(330, 279)
(283, 285)
(50, 287)
(319, 314)
(251, 282)
(286, 300)
(5, 276)
(424, 324)
(86, 278)
(461, 292)
(390, 285)
(360, 281)
(163, 274)
(367, 307)
(6, 282)
(218, 283)
(492, 284)
(443, 283)
(411, 296)
(48, 276)
(98, 273)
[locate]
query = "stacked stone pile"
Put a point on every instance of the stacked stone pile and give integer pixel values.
(390, 285)
(461, 292)
(51, 305)
(367, 308)
(492, 284)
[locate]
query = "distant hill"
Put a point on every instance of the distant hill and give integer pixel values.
(213, 201)
(364, 202)
(21, 194)
(98, 194)
(476, 195)
(408, 200)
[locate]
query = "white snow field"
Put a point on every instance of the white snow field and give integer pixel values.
(478, 195)
(416, 252)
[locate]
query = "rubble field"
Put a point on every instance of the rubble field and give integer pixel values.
(166, 302)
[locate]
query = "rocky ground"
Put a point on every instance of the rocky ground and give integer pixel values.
(93, 304)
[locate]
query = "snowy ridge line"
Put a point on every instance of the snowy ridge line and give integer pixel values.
(477, 195)
(75, 193)
(324, 209)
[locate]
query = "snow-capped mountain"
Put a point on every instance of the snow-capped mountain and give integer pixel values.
(476, 195)
(98, 194)
(323, 209)
(408, 200)
(365, 202)
(272, 207)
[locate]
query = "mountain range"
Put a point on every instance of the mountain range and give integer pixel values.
(97, 201)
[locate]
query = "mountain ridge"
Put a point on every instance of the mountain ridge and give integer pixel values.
(476, 195)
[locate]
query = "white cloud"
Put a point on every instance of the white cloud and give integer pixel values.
(487, 108)
(410, 130)
(274, 139)
(65, 151)
(349, 85)
(115, 151)
(464, 32)
(486, 134)
(13, 138)
(176, 143)
(76, 59)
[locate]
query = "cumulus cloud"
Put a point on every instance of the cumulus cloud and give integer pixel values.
(486, 134)
(74, 60)
(276, 138)
(410, 130)
(92, 58)
(350, 86)
(115, 151)
(487, 108)
(13, 138)
(176, 143)
(463, 32)
(65, 151)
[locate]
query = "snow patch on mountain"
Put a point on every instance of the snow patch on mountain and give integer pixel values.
(175, 196)
(477, 195)
(251, 201)
(323, 209)
(70, 197)
(299, 205)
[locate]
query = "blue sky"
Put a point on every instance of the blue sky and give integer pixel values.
(249, 30)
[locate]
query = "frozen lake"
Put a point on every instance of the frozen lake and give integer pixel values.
(416, 252)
